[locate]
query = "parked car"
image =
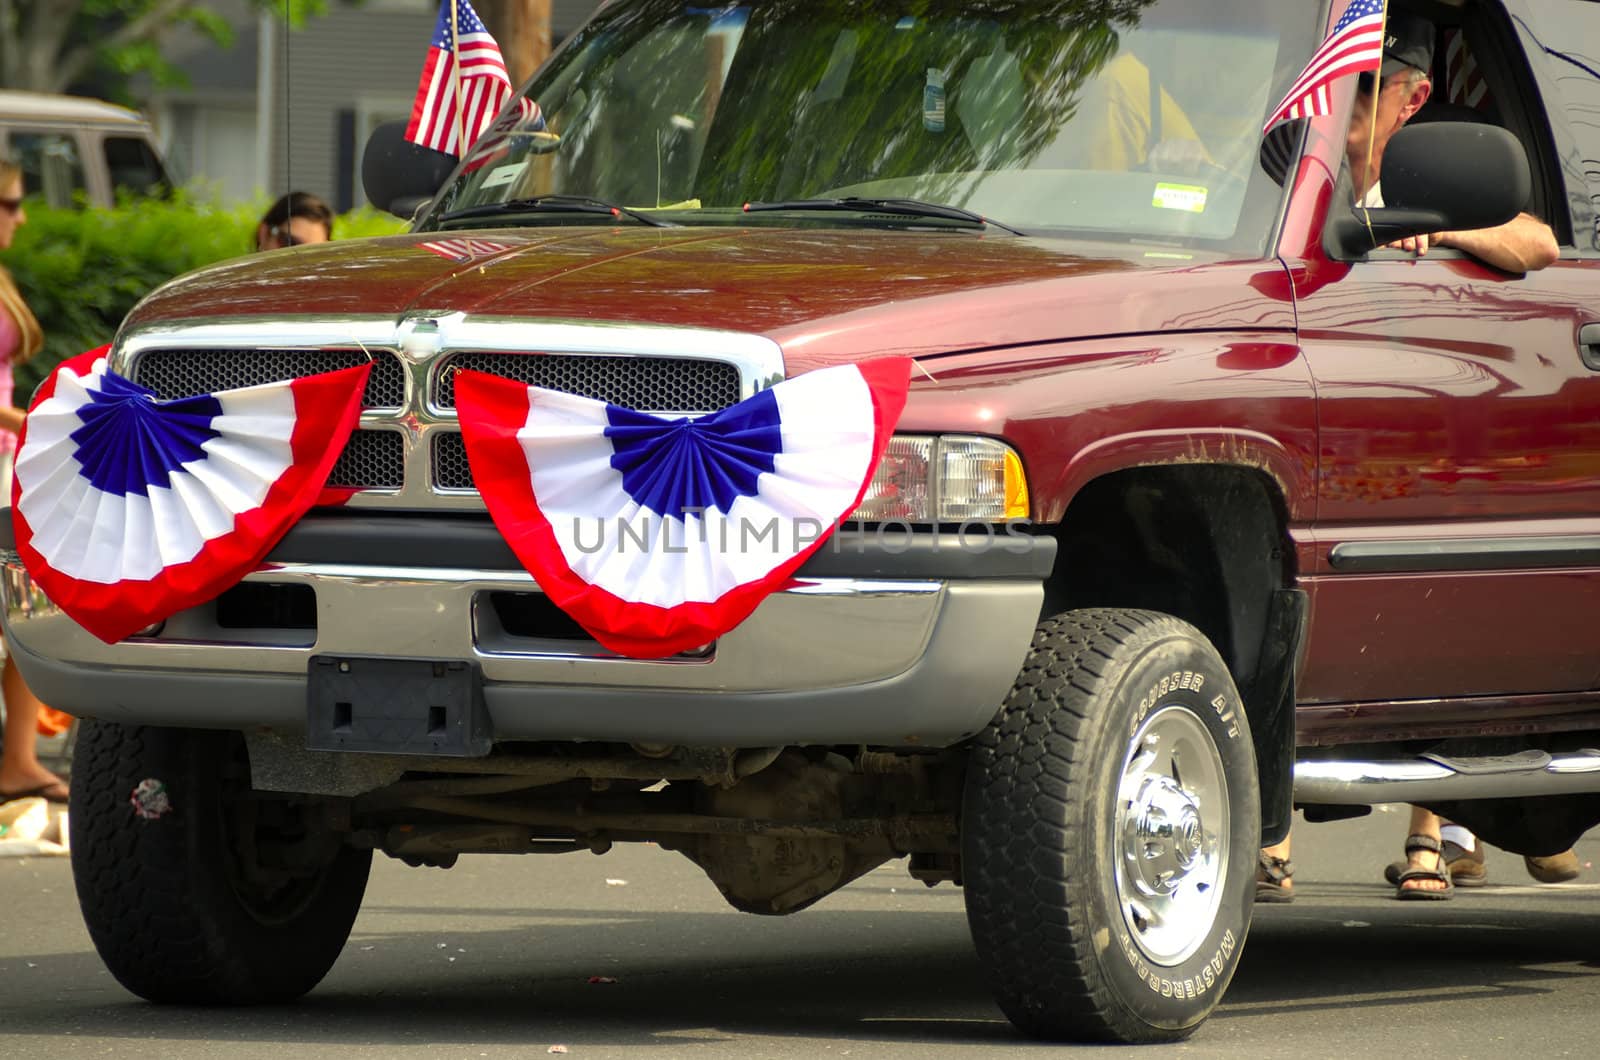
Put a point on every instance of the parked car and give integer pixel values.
(1306, 522)
(75, 150)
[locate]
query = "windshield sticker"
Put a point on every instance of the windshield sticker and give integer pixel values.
(1191, 198)
(504, 175)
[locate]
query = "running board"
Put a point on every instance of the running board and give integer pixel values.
(1430, 777)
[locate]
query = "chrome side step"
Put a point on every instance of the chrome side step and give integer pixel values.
(1425, 777)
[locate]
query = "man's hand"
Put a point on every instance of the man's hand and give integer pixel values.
(1523, 244)
(1419, 245)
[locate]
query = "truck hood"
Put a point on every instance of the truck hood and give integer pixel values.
(825, 295)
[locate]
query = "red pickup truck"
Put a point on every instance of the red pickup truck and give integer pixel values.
(1201, 507)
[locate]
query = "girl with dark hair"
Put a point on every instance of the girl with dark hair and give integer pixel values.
(298, 217)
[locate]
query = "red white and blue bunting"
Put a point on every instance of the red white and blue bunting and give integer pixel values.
(658, 534)
(127, 509)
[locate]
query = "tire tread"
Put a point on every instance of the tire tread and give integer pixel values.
(1020, 899)
(156, 916)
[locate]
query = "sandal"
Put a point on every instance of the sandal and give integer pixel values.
(1440, 872)
(1466, 867)
(1272, 879)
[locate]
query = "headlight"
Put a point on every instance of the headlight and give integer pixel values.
(952, 478)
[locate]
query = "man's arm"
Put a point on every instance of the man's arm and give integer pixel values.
(1522, 244)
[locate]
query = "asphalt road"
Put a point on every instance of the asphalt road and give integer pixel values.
(495, 957)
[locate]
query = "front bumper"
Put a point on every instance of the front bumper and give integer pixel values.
(867, 647)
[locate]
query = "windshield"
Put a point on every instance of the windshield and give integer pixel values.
(1128, 119)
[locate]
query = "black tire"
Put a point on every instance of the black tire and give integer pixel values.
(1046, 830)
(171, 903)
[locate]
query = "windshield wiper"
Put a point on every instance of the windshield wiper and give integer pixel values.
(900, 207)
(554, 204)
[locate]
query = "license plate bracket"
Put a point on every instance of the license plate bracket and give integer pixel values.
(397, 706)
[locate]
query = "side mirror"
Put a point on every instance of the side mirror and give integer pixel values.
(1439, 177)
(399, 176)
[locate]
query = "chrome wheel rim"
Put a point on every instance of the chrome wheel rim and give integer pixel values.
(1171, 835)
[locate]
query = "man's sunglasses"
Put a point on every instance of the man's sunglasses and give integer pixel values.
(10, 205)
(1366, 81)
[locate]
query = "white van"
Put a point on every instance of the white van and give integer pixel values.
(73, 149)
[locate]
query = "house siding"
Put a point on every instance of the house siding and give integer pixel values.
(333, 81)
(348, 62)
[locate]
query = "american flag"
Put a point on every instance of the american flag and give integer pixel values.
(439, 116)
(1463, 81)
(464, 249)
(1356, 44)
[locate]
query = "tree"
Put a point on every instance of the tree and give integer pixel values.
(521, 28)
(56, 45)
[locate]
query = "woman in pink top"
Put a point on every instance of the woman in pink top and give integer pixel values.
(21, 772)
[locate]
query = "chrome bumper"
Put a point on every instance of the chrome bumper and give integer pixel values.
(831, 660)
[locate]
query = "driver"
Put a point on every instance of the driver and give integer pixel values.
(1523, 244)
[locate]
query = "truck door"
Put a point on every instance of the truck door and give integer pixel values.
(1457, 538)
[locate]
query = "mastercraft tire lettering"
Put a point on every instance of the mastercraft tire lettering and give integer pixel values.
(1109, 831)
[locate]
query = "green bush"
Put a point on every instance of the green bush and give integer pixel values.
(81, 271)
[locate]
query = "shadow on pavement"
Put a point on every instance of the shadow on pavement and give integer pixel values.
(916, 981)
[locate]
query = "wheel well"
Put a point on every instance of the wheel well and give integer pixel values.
(1205, 543)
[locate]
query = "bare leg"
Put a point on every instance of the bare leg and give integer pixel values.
(1424, 822)
(20, 769)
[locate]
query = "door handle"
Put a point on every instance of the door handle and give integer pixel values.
(1589, 346)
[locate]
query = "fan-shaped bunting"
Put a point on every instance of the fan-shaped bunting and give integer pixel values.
(128, 509)
(660, 533)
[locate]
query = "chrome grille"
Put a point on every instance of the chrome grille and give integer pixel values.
(407, 452)
(650, 384)
(450, 470)
(372, 460)
(178, 373)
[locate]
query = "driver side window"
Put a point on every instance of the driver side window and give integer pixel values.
(1566, 31)
(1480, 73)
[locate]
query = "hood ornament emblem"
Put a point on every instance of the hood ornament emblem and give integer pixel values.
(419, 339)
